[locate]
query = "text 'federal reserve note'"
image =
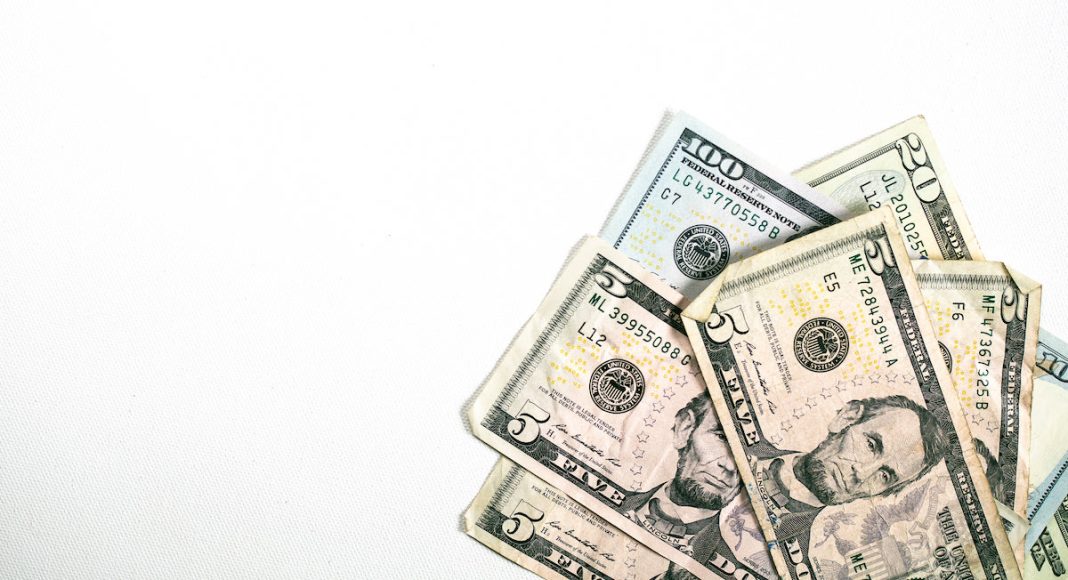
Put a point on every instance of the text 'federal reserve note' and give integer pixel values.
(841, 414)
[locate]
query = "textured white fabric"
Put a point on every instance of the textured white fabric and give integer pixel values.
(254, 258)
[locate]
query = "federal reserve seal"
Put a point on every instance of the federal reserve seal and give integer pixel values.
(701, 252)
(617, 385)
(821, 344)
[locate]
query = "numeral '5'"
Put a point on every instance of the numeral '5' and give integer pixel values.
(524, 428)
(522, 522)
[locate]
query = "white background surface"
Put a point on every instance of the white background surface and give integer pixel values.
(255, 257)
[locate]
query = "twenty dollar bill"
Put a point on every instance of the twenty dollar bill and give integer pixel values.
(1046, 507)
(900, 168)
(841, 415)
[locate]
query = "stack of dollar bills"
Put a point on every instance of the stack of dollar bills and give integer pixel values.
(745, 376)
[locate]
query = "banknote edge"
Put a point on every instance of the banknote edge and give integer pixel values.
(801, 172)
(500, 470)
(701, 307)
(1033, 290)
(467, 408)
(945, 177)
(666, 118)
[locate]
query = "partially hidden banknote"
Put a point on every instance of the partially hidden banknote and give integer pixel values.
(1052, 358)
(841, 415)
(985, 318)
(1047, 507)
(1047, 553)
(900, 168)
(600, 396)
(539, 527)
(697, 202)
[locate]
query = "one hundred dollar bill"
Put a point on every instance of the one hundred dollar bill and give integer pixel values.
(1052, 358)
(543, 530)
(601, 397)
(1049, 467)
(985, 317)
(842, 417)
(1048, 554)
(697, 202)
(900, 168)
